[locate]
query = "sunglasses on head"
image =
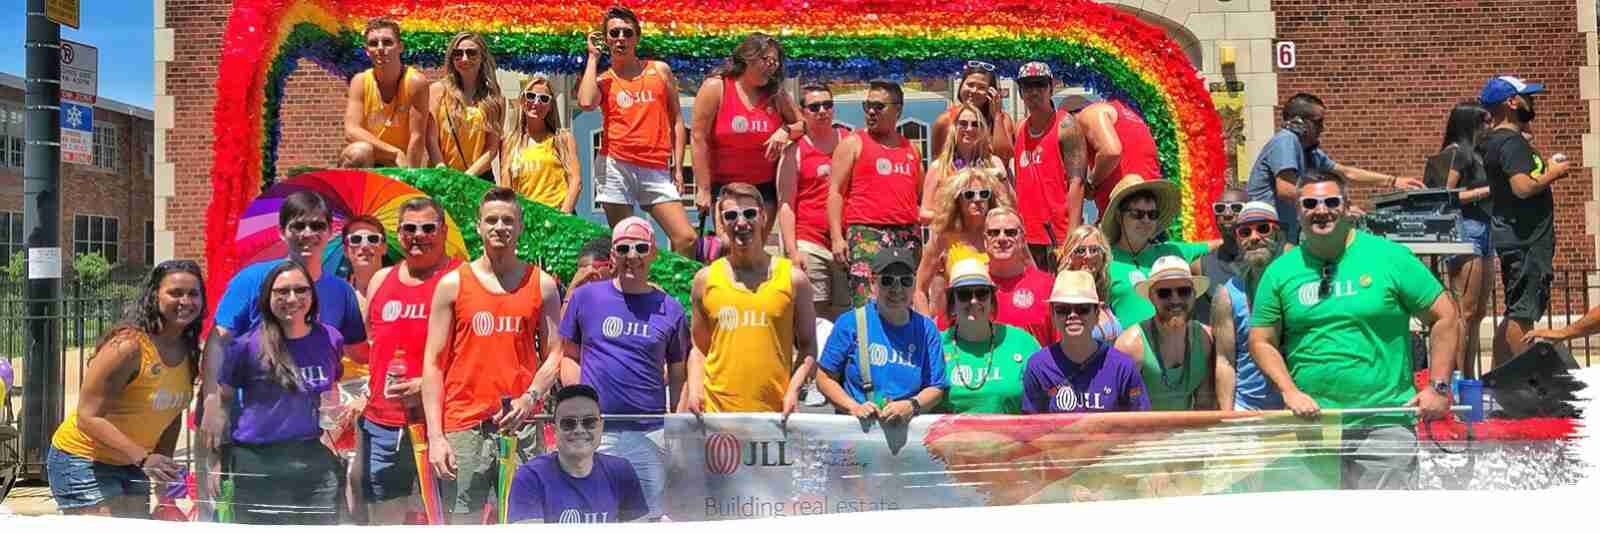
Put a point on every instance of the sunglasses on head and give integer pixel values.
(818, 107)
(904, 281)
(1009, 232)
(282, 292)
(426, 228)
(733, 215)
(874, 106)
(1073, 309)
(538, 98)
(469, 53)
(1311, 202)
(1165, 293)
(315, 225)
(986, 67)
(621, 33)
(571, 423)
(1245, 231)
(1223, 208)
(965, 294)
(976, 194)
(640, 248)
(364, 239)
(1144, 214)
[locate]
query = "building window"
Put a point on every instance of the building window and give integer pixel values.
(94, 234)
(107, 147)
(11, 135)
(149, 242)
(917, 133)
(11, 231)
(149, 154)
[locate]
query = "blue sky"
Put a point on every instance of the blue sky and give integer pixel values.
(123, 30)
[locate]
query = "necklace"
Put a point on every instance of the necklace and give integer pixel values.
(988, 359)
(1155, 339)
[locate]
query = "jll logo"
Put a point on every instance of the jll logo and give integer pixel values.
(724, 454)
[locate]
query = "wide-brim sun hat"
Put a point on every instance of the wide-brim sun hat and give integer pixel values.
(1166, 201)
(1074, 287)
(1171, 268)
(970, 272)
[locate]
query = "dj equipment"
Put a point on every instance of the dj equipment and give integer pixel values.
(1422, 215)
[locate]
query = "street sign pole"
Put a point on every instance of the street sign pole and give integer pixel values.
(41, 177)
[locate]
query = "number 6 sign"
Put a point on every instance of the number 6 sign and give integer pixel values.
(1284, 54)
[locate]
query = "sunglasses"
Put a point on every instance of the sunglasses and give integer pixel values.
(1086, 252)
(873, 106)
(1144, 214)
(469, 53)
(1009, 232)
(905, 281)
(426, 228)
(571, 423)
(538, 98)
(364, 239)
(1245, 231)
(976, 194)
(1327, 281)
(1031, 84)
(1311, 202)
(733, 215)
(986, 67)
(967, 124)
(374, 43)
(818, 107)
(1073, 309)
(315, 226)
(965, 294)
(1165, 293)
(621, 33)
(1223, 208)
(286, 291)
(640, 248)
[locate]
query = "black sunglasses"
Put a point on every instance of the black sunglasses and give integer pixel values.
(906, 281)
(964, 294)
(1165, 293)
(621, 33)
(1146, 214)
(1245, 231)
(426, 228)
(1227, 207)
(1073, 309)
(316, 226)
(1088, 251)
(470, 53)
(641, 248)
(1311, 202)
(358, 239)
(733, 215)
(1327, 281)
(1034, 84)
(873, 106)
(976, 194)
(817, 107)
(570, 423)
(538, 98)
(1009, 232)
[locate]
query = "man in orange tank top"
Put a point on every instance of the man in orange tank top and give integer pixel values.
(488, 321)
(394, 81)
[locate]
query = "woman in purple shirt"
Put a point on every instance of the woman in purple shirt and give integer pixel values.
(280, 471)
(1080, 374)
(575, 484)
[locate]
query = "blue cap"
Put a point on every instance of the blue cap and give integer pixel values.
(1500, 88)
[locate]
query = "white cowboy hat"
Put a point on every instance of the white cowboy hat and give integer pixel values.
(1171, 268)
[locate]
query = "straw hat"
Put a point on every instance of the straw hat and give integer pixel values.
(970, 272)
(1171, 268)
(1074, 287)
(1166, 201)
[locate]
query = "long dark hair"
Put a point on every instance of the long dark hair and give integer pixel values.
(144, 314)
(987, 111)
(749, 51)
(273, 350)
(1461, 129)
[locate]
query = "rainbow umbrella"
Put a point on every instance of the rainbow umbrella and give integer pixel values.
(348, 193)
(509, 461)
(432, 506)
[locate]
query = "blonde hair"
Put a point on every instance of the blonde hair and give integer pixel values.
(1080, 234)
(490, 103)
(947, 216)
(518, 136)
(984, 158)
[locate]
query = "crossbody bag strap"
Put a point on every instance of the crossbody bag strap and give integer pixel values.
(863, 360)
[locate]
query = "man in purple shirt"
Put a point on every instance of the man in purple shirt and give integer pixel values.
(625, 335)
(575, 484)
(1080, 374)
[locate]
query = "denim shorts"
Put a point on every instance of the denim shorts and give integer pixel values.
(77, 482)
(1477, 233)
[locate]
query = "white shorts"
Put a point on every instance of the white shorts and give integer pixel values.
(624, 183)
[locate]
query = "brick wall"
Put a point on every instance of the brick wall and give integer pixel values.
(190, 78)
(1390, 70)
(123, 193)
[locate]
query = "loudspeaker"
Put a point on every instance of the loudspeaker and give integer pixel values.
(1535, 383)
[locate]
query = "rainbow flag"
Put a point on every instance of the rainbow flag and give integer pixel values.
(427, 483)
(509, 460)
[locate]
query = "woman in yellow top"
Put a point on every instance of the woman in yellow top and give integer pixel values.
(961, 206)
(105, 456)
(540, 158)
(465, 109)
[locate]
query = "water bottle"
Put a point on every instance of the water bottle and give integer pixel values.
(396, 372)
(1455, 386)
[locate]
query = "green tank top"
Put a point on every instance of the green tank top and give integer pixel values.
(1173, 389)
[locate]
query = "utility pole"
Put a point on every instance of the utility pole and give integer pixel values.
(41, 182)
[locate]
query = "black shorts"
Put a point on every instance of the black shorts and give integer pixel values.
(1526, 273)
(294, 482)
(769, 193)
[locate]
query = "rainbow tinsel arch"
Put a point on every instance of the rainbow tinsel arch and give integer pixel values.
(1087, 44)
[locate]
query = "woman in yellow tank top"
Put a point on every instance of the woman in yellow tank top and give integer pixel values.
(107, 454)
(540, 158)
(465, 109)
(963, 202)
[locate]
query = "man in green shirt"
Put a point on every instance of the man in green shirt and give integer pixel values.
(983, 358)
(1330, 328)
(1138, 211)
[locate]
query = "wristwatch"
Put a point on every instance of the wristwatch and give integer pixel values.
(1440, 386)
(916, 407)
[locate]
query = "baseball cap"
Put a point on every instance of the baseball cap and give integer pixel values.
(888, 257)
(1257, 211)
(633, 228)
(1034, 69)
(1498, 89)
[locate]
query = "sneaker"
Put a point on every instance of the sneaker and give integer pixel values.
(811, 397)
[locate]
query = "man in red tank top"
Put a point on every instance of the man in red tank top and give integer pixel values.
(875, 189)
(1119, 144)
(1050, 166)
(487, 322)
(803, 179)
(397, 323)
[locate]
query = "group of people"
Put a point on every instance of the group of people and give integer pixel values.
(1012, 306)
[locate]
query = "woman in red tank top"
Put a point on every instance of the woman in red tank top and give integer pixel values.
(742, 121)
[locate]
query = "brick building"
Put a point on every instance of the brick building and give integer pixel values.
(106, 206)
(1389, 70)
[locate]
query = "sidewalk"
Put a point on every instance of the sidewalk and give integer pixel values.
(28, 501)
